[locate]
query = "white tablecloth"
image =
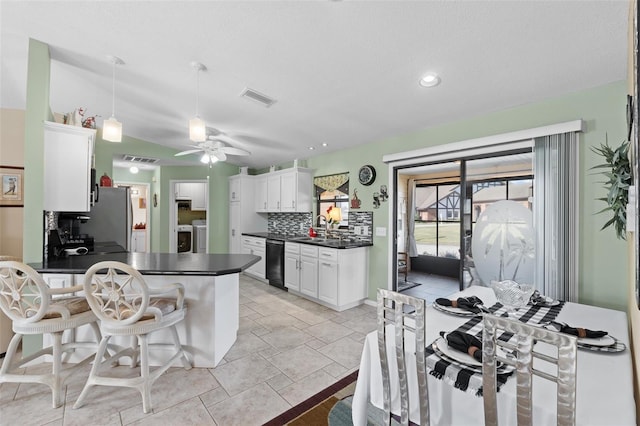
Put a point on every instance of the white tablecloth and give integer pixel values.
(604, 380)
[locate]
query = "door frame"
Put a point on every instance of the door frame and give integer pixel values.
(483, 146)
(147, 236)
(173, 213)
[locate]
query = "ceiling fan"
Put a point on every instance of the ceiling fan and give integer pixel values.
(214, 150)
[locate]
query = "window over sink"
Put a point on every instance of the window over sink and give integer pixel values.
(332, 191)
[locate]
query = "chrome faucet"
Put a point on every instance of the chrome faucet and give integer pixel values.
(326, 225)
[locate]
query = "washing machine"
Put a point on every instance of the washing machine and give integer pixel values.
(199, 235)
(185, 239)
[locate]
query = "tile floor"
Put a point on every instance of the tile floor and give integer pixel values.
(288, 349)
(431, 286)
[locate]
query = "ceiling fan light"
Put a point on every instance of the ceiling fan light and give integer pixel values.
(197, 130)
(205, 158)
(112, 130)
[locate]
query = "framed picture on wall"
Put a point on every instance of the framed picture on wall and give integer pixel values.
(12, 186)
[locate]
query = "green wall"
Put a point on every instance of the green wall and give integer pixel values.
(37, 112)
(160, 181)
(602, 258)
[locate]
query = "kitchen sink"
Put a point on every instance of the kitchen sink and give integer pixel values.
(305, 239)
(329, 242)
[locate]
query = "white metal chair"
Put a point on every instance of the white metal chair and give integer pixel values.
(121, 299)
(28, 301)
(394, 308)
(526, 337)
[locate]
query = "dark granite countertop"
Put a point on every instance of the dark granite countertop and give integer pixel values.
(154, 263)
(304, 239)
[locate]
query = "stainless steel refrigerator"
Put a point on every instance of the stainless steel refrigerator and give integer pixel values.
(111, 217)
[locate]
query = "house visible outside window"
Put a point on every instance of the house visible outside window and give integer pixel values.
(437, 226)
(332, 191)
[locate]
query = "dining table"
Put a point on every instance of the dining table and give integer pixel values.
(604, 387)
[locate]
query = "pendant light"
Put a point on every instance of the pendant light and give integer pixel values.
(197, 129)
(112, 128)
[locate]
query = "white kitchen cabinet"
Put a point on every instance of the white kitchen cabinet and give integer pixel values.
(68, 159)
(273, 193)
(242, 212)
(287, 190)
(261, 194)
(198, 196)
(328, 276)
(338, 279)
(292, 266)
(183, 191)
(309, 270)
(255, 246)
(235, 230)
(139, 241)
(235, 188)
(194, 191)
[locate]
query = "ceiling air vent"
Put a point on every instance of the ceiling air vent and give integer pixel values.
(143, 160)
(264, 100)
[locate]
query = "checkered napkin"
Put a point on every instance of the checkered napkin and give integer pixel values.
(468, 378)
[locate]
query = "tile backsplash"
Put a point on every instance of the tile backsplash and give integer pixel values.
(299, 224)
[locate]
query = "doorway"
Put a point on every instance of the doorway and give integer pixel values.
(189, 214)
(439, 204)
(141, 215)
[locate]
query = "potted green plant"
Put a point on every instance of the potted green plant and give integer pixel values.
(618, 173)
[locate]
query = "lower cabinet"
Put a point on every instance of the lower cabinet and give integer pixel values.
(292, 266)
(139, 241)
(309, 276)
(334, 278)
(328, 282)
(256, 246)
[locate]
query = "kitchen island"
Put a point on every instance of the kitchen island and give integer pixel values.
(211, 283)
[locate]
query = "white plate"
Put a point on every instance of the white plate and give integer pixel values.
(461, 357)
(600, 341)
(454, 311)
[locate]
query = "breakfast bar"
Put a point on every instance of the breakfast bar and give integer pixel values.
(211, 283)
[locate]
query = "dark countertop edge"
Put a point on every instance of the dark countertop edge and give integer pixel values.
(58, 268)
(349, 245)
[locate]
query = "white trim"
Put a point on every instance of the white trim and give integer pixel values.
(173, 213)
(454, 148)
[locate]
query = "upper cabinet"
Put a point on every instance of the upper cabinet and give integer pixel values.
(284, 191)
(194, 191)
(262, 194)
(242, 213)
(68, 159)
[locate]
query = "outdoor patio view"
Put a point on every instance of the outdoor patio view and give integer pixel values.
(437, 215)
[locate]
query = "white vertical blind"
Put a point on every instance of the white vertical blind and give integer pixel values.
(555, 209)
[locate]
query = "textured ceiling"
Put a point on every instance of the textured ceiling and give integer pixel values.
(343, 73)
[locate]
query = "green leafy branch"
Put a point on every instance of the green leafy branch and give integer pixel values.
(618, 174)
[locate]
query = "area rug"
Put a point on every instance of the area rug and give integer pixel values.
(406, 285)
(329, 407)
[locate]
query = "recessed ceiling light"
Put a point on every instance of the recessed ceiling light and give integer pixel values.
(311, 148)
(430, 80)
(134, 169)
(325, 144)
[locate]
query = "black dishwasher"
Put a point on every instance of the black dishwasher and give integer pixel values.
(275, 263)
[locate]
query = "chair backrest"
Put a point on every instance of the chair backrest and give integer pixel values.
(116, 292)
(24, 295)
(526, 337)
(394, 309)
